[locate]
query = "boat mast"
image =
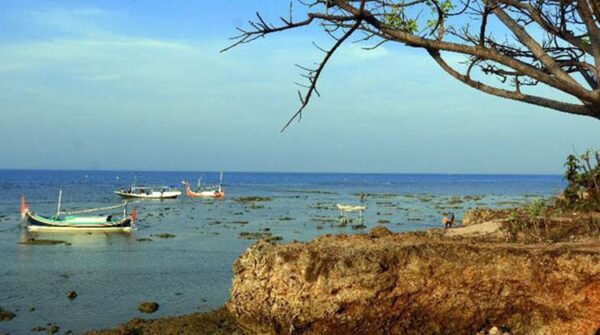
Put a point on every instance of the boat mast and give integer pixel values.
(221, 181)
(59, 200)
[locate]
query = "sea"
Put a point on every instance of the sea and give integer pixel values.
(112, 273)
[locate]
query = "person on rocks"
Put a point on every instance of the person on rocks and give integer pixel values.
(448, 220)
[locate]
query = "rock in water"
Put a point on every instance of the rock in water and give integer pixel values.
(148, 307)
(6, 315)
(164, 235)
(416, 284)
(53, 329)
(71, 295)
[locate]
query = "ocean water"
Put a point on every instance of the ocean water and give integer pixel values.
(113, 273)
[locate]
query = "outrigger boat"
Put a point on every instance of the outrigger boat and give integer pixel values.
(68, 221)
(350, 208)
(149, 192)
(145, 192)
(213, 191)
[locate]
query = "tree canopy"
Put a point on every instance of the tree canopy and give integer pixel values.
(508, 47)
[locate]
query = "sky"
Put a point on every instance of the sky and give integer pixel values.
(141, 85)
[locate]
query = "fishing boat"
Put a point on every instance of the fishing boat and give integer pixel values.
(146, 192)
(70, 221)
(211, 191)
(351, 208)
(149, 192)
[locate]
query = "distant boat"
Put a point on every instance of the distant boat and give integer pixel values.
(70, 222)
(212, 191)
(149, 192)
(351, 208)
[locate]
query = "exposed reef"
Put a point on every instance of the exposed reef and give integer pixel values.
(417, 283)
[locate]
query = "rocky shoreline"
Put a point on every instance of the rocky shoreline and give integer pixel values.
(217, 322)
(417, 283)
(466, 280)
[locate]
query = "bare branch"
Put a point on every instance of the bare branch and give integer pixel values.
(317, 73)
(539, 101)
(550, 42)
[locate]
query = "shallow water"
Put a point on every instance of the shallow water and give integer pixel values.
(113, 273)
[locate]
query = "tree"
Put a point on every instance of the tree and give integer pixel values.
(509, 46)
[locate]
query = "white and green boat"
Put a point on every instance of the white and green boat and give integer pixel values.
(69, 221)
(148, 192)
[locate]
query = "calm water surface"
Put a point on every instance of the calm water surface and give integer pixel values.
(113, 273)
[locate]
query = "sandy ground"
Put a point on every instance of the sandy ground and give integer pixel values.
(485, 228)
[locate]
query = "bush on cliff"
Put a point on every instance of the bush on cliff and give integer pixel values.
(583, 177)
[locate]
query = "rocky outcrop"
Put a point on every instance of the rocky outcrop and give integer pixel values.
(481, 215)
(490, 229)
(416, 284)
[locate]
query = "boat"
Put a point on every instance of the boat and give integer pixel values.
(212, 191)
(70, 221)
(351, 208)
(149, 192)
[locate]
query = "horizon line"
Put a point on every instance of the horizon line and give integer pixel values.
(288, 172)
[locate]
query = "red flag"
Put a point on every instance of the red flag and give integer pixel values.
(133, 215)
(24, 207)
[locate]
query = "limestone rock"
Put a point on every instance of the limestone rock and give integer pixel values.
(416, 284)
(380, 231)
(481, 215)
(148, 307)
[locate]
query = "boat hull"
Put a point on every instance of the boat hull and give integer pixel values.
(153, 195)
(32, 228)
(40, 223)
(205, 194)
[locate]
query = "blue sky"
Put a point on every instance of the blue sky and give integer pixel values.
(141, 85)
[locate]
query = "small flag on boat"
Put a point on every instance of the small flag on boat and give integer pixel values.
(24, 207)
(133, 215)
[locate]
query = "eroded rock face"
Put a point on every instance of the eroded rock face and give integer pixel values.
(481, 215)
(416, 284)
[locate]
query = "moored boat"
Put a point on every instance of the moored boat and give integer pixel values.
(143, 192)
(148, 192)
(351, 208)
(69, 221)
(212, 191)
